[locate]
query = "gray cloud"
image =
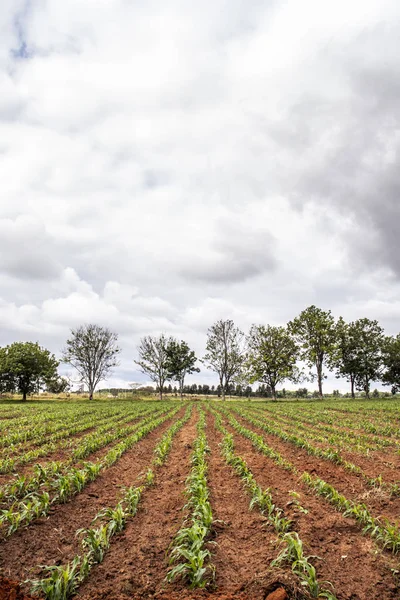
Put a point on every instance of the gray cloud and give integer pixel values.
(166, 165)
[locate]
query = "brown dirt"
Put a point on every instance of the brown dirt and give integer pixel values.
(245, 547)
(354, 487)
(52, 540)
(11, 590)
(136, 564)
(61, 454)
(356, 567)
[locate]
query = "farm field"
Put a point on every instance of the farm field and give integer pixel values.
(247, 500)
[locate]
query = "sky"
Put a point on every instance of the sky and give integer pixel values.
(166, 164)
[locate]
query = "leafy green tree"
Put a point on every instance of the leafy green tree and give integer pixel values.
(369, 342)
(92, 350)
(58, 385)
(225, 352)
(181, 361)
(344, 357)
(26, 367)
(301, 393)
(315, 332)
(391, 361)
(153, 359)
(272, 356)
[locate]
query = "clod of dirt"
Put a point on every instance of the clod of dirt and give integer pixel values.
(278, 594)
(10, 590)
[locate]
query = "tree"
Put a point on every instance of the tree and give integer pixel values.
(58, 385)
(272, 356)
(391, 361)
(301, 393)
(181, 361)
(344, 356)
(93, 351)
(368, 341)
(153, 359)
(315, 332)
(225, 352)
(26, 367)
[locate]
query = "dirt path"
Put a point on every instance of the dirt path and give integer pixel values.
(52, 540)
(245, 546)
(353, 563)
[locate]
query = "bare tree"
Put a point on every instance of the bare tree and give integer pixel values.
(153, 359)
(93, 351)
(225, 352)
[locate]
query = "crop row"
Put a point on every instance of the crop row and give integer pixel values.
(66, 485)
(386, 533)
(342, 438)
(22, 485)
(63, 581)
(370, 421)
(188, 551)
(53, 444)
(328, 454)
(292, 553)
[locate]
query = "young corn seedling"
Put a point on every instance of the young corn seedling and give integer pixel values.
(132, 499)
(96, 543)
(188, 545)
(62, 582)
(115, 517)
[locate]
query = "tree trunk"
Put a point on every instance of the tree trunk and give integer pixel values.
(24, 396)
(222, 389)
(273, 390)
(366, 388)
(352, 386)
(319, 375)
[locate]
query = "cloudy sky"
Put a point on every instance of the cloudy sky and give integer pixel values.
(165, 164)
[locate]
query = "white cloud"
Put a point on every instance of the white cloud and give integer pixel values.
(167, 164)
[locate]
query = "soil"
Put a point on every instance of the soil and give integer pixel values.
(242, 542)
(354, 487)
(355, 566)
(52, 540)
(11, 590)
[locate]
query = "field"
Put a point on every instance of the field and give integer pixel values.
(245, 500)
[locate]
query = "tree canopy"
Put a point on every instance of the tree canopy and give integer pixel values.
(181, 361)
(272, 356)
(225, 352)
(391, 358)
(153, 359)
(26, 367)
(92, 350)
(315, 332)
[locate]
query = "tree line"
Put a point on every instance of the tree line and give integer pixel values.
(358, 351)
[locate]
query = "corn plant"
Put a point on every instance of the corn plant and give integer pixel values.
(188, 547)
(386, 533)
(96, 542)
(62, 582)
(65, 580)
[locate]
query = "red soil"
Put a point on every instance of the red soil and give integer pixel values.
(137, 563)
(11, 590)
(52, 540)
